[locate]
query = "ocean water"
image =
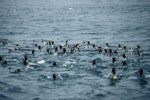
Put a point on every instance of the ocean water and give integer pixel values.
(25, 23)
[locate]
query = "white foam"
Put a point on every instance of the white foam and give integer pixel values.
(106, 47)
(147, 76)
(70, 62)
(60, 77)
(107, 75)
(47, 76)
(131, 50)
(94, 66)
(64, 54)
(132, 77)
(32, 63)
(41, 61)
(64, 65)
(28, 67)
(15, 59)
(55, 54)
(70, 8)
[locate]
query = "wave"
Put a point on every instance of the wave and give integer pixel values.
(4, 97)
(41, 61)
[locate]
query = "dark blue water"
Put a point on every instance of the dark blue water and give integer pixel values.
(30, 22)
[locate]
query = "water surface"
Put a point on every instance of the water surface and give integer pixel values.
(27, 23)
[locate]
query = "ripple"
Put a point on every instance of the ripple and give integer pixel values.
(4, 97)
(14, 90)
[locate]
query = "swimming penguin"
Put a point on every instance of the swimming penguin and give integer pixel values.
(93, 46)
(124, 62)
(64, 51)
(67, 45)
(49, 51)
(94, 63)
(36, 45)
(17, 44)
(72, 50)
(114, 76)
(77, 46)
(131, 49)
(51, 43)
(140, 53)
(33, 51)
(88, 43)
(17, 71)
(16, 48)
(100, 49)
(138, 46)
(113, 60)
(47, 43)
(105, 51)
(39, 47)
(1, 58)
(4, 42)
(110, 51)
(4, 62)
(124, 47)
(136, 50)
(42, 40)
(115, 51)
(56, 50)
(124, 56)
(141, 72)
(55, 76)
(9, 50)
(54, 63)
(25, 57)
(25, 62)
(119, 47)
(107, 45)
(60, 47)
